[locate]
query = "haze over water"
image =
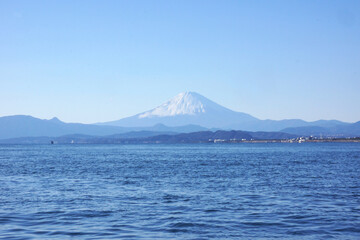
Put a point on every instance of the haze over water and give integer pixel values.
(198, 191)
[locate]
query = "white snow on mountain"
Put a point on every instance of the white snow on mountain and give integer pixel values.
(185, 103)
(184, 109)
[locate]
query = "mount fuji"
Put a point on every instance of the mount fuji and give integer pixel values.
(184, 109)
(191, 108)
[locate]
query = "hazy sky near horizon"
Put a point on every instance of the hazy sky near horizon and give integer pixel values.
(95, 61)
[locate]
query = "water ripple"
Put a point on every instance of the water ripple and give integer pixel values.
(199, 191)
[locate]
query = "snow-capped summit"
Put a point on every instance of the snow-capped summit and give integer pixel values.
(184, 109)
(185, 103)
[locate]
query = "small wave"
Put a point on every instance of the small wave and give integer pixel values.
(348, 229)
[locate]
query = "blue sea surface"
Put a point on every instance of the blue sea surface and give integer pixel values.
(183, 191)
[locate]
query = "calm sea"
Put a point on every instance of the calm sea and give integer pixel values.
(197, 191)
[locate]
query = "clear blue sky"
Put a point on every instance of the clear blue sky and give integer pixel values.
(94, 61)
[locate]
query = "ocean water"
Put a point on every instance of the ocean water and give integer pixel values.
(195, 191)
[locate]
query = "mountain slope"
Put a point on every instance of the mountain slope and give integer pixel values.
(187, 108)
(193, 108)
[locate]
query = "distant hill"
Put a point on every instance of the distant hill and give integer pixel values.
(153, 137)
(340, 130)
(28, 126)
(207, 136)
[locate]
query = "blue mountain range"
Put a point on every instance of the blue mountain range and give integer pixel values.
(186, 112)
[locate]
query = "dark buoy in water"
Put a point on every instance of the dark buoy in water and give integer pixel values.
(51, 142)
